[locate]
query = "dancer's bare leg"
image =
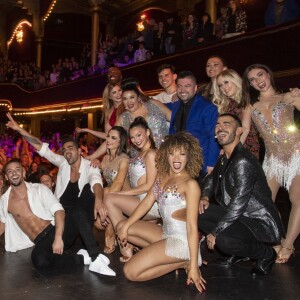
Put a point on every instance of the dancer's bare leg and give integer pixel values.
(274, 186)
(294, 219)
(118, 205)
(152, 262)
(143, 233)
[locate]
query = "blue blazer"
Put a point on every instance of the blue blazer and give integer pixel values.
(201, 124)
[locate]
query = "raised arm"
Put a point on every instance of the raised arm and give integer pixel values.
(99, 134)
(32, 140)
(293, 97)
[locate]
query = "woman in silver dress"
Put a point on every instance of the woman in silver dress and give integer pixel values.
(273, 115)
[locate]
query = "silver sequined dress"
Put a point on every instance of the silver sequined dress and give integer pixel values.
(282, 142)
(110, 169)
(136, 170)
(156, 122)
(174, 231)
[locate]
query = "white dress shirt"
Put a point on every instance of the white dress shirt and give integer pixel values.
(88, 174)
(42, 203)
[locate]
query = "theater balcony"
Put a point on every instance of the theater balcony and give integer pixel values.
(80, 101)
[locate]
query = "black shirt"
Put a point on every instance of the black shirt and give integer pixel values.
(182, 115)
(70, 195)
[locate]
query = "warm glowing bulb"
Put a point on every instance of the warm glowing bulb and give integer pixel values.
(292, 128)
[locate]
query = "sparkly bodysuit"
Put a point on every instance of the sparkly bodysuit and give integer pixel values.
(110, 170)
(156, 122)
(174, 231)
(282, 142)
(136, 170)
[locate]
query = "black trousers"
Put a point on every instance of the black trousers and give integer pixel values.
(42, 255)
(79, 221)
(237, 239)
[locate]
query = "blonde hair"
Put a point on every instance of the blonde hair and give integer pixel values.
(221, 100)
(108, 103)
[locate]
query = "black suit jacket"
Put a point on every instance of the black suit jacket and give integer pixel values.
(245, 195)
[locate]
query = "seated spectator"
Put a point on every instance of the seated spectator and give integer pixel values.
(220, 23)
(236, 20)
(190, 32)
(281, 11)
(206, 27)
(125, 62)
(140, 53)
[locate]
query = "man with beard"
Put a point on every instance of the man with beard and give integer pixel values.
(30, 215)
(79, 190)
(246, 224)
(197, 116)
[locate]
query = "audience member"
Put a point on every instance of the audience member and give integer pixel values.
(236, 20)
(205, 31)
(190, 32)
(281, 11)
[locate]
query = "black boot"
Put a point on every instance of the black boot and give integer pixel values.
(264, 266)
(227, 262)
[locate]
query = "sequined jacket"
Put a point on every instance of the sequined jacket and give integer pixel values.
(244, 193)
(240, 22)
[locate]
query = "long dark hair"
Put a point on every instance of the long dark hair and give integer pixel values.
(141, 122)
(123, 140)
(250, 95)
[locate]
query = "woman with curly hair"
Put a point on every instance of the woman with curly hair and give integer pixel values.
(227, 96)
(175, 244)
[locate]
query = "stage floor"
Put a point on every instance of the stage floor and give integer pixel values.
(19, 280)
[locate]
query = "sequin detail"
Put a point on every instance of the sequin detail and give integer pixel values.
(137, 169)
(282, 142)
(174, 231)
(156, 122)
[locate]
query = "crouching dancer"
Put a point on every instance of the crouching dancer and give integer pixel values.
(79, 190)
(246, 223)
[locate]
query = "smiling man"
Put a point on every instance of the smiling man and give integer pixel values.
(246, 222)
(196, 115)
(79, 190)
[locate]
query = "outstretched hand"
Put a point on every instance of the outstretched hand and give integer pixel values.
(12, 123)
(194, 276)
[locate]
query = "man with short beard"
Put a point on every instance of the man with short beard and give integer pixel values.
(246, 222)
(79, 190)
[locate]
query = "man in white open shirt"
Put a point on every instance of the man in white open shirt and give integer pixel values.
(79, 190)
(30, 215)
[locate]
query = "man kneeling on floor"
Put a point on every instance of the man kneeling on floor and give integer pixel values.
(30, 215)
(246, 222)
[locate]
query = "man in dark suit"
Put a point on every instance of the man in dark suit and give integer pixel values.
(194, 114)
(246, 222)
